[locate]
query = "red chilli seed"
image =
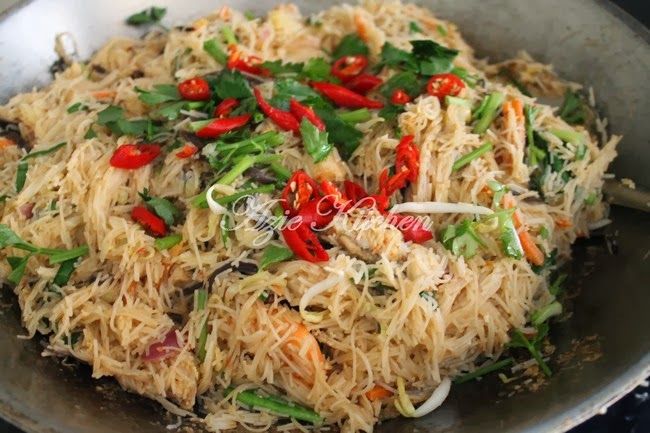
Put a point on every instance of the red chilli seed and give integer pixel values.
(441, 85)
(194, 89)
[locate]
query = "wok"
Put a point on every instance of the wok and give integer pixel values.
(588, 41)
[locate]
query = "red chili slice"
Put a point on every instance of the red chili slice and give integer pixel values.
(283, 119)
(332, 194)
(304, 243)
(163, 349)
(354, 191)
(348, 67)
(408, 155)
(251, 64)
(389, 185)
(188, 150)
(149, 220)
(132, 156)
(412, 228)
(221, 126)
(300, 189)
(400, 97)
(194, 89)
(441, 85)
(225, 107)
(345, 97)
(317, 213)
(363, 83)
(301, 110)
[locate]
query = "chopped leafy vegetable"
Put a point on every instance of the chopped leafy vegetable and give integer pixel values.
(463, 74)
(482, 371)
(315, 141)
(498, 191)
(113, 118)
(64, 255)
(415, 27)
(454, 100)
(350, 45)
(274, 254)
(276, 405)
(159, 94)
(462, 239)
(167, 242)
(433, 58)
(345, 136)
(231, 84)
(442, 30)
(543, 314)
(228, 35)
(574, 109)
(44, 152)
(556, 287)
(471, 156)
(64, 272)
(21, 175)
(568, 136)
(200, 302)
(487, 112)
(232, 198)
(317, 69)
(18, 266)
(162, 207)
(213, 48)
(509, 238)
(90, 133)
(355, 116)
(277, 67)
(407, 81)
(394, 57)
(225, 227)
(78, 106)
(148, 16)
(520, 340)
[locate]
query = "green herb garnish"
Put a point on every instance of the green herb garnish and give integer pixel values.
(274, 254)
(148, 16)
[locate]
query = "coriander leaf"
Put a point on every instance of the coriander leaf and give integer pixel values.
(391, 111)
(231, 84)
(147, 16)
(90, 134)
(21, 175)
(277, 67)
(159, 94)
(169, 111)
(18, 266)
(394, 57)
(162, 207)
(315, 141)
(213, 48)
(415, 27)
(406, 81)
(433, 58)
(64, 272)
(4, 198)
(350, 45)
(345, 136)
(274, 254)
(112, 113)
(289, 88)
(317, 69)
(167, 242)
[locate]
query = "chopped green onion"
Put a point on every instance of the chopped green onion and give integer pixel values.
(200, 302)
(476, 153)
(276, 405)
(232, 198)
(213, 48)
(167, 242)
(454, 100)
(544, 233)
(355, 116)
(556, 286)
(65, 272)
(482, 371)
(21, 175)
(280, 171)
(488, 111)
(18, 266)
(229, 35)
(64, 255)
(543, 314)
(415, 27)
(520, 340)
(225, 226)
(441, 30)
(568, 136)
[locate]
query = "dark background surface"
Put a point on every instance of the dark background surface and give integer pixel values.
(632, 413)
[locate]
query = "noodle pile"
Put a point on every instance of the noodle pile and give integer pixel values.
(363, 311)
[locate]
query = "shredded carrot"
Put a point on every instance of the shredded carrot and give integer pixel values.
(533, 254)
(104, 95)
(302, 336)
(515, 108)
(563, 223)
(6, 142)
(378, 393)
(361, 27)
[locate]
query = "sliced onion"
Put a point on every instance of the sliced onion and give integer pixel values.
(212, 204)
(404, 405)
(163, 349)
(311, 293)
(440, 207)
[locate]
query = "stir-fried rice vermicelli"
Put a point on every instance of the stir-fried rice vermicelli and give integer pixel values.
(384, 321)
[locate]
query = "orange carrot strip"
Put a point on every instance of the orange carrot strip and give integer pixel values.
(378, 393)
(104, 94)
(563, 223)
(297, 340)
(533, 254)
(361, 27)
(6, 142)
